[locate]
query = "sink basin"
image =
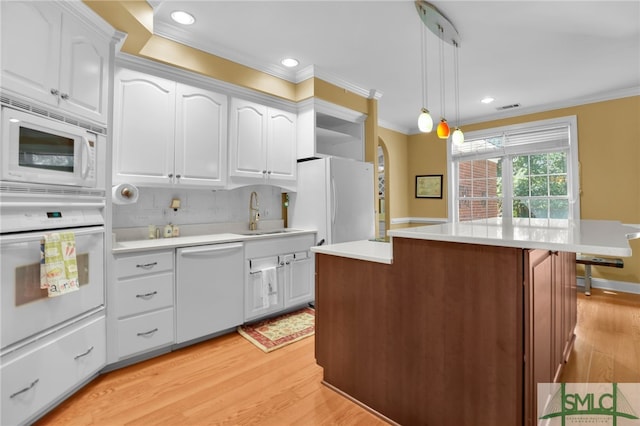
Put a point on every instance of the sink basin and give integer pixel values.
(266, 231)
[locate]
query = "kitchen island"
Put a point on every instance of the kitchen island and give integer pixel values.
(454, 323)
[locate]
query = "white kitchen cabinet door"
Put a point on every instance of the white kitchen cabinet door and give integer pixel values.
(55, 59)
(247, 139)
(281, 145)
(201, 137)
(299, 282)
(84, 71)
(262, 143)
(31, 49)
(144, 127)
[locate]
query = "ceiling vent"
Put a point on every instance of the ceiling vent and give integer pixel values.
(504, 107)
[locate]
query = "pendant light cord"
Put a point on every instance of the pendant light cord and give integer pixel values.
(423, 50)
(442, 90)
(457, 82)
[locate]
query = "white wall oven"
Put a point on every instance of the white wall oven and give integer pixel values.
(40, 150)
(26, 311)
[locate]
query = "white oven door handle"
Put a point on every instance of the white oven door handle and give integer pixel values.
(209, 249)
(20, 238)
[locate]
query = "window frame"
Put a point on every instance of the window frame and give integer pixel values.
(570, 147)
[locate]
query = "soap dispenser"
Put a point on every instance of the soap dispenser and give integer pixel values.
(168, 231)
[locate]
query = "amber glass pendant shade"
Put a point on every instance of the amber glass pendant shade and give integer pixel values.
(443, 129)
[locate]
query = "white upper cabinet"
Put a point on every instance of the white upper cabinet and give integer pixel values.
(54, 58)
(168, 133)
(281, 145)
(201, 137)
(143, 127)
(262, 144)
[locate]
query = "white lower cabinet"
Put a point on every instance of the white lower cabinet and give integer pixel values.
(34, 377)
(299, 282)
(293, 284)
(144, 332)
(144, 302)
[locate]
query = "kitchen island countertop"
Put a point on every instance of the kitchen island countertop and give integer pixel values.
(372, 251)
(601, 237)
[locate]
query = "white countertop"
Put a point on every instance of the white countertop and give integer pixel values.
(217, 238)
(606, 238)
(373, 251)
(601, 237)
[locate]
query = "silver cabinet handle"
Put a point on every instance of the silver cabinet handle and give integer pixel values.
(35, 382)
(64, 96)
(147, 265)
(146, 333)
(144, 296)
(84, 353)
(55, 92)
(264, 172)
(170, 175)
(269, 172)
(178, 176)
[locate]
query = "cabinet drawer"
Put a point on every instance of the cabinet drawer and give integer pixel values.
(33, 381)
(141, 264)
(145, 332)
(144, 294)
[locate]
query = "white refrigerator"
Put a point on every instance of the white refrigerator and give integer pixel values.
(336, 197)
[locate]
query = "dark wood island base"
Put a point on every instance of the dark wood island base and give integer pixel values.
(449, 333)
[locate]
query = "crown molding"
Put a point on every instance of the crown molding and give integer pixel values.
(584, 100)
(192, 78)
(84, 12)
(318, 72)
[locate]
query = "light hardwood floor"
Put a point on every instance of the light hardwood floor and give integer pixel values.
(607, 346)
(228, 381)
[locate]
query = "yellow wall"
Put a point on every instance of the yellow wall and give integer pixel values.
(427, 155)
(609, 155)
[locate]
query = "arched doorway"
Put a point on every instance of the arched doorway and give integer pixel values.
(383, 190)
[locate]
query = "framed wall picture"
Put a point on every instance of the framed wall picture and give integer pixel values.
(429, 186)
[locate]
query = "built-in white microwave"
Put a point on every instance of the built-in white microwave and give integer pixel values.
(41, 150)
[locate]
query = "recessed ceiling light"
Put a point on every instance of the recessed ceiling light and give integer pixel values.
(290, 62)
(487, 100)
(182, 17)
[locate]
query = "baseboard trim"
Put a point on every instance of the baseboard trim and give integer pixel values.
(621, 286)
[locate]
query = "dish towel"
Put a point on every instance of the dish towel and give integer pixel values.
(269, 287)
(58, 264)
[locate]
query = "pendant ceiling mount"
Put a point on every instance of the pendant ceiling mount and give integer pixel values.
(437, 23)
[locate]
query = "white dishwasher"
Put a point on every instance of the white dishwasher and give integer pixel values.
(209, 289)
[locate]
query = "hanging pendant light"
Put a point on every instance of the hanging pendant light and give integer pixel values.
(458, 137)
(443, 127)
(425, 122)
(439, 25)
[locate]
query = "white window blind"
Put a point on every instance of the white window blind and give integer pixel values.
(509, 142)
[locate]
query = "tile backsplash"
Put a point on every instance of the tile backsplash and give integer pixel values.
(197, 206)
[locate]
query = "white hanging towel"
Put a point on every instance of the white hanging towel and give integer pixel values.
(269, 287)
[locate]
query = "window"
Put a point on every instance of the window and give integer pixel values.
(525, 171)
